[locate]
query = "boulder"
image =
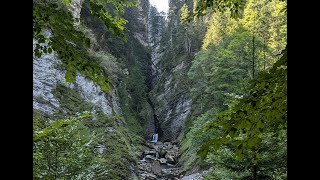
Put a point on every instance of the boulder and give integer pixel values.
(162, 152)
(148, 176)
(156, 168)
(149, 158)
(175, 148)
(159, 143)
(163, 161)
(170, 158)
(171, 172)
(147, 152)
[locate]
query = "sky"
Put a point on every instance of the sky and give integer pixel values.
(161, 5)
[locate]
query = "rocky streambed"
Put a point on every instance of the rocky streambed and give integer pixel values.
(159, 162)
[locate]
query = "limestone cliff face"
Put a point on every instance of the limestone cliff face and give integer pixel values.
(53, 96)
(48, 73)
(172, 103)
(170, 93)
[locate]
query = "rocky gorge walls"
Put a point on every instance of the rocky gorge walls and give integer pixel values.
(148, 87)
(120, 113)
(170, 93)
(49, 74)
(49, 78)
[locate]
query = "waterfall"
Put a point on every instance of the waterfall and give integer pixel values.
(154, 138)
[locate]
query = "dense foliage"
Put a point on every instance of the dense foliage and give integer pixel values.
(239, 94)
(62, 148)
(57, 30)
(227, 58)
(99, 146)
(69, 148)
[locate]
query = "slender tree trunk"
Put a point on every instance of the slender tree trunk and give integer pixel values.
(254, 168)
(49, 162)
(253, 49)
(55, 174)
(264, 54)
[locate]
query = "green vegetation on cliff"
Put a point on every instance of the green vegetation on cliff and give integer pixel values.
(212, 76)
(67, 143)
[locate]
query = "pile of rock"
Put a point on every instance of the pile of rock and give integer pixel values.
(159, 162)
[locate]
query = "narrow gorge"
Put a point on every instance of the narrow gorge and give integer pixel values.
(123, 91)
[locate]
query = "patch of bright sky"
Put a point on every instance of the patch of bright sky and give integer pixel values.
(161, 5)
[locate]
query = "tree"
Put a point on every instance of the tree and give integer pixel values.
(67, 40)
(259, 18)
(263, 110)
(62, 148)
(253, 129)
(236, 7)
(221, 72)
(216, 29)
(157, 22)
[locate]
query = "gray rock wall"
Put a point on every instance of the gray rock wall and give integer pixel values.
(48, 72)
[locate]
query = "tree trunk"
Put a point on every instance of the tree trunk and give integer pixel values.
(254, 169)
(253, 49)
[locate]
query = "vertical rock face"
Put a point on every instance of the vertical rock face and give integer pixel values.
(75, 7)
(173, 103)
(48, 73)
(170, 92)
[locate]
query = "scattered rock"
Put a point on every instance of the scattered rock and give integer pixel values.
(158, 162)
(163, 161)
(148, 176)
(146, 152)
(170, 158)
(162, 153)
(150, 158)
(159, 143)
(156, 169)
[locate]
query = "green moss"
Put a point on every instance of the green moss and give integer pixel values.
(39, 117)
(41, 100)
(70, 101)
(121, 146)
(136, 121)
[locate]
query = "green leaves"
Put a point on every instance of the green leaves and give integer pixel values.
(68, 41)
(205, 148)
(59, 149)
(114, 23)
(235, 7)
(263, 110)
(67, 2)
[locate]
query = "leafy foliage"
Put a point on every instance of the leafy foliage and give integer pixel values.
(61, 149)
(203, 7)
(264, 108)
(243, 142)
(262, 111)
(67, 148)
(67, 40)
(195, 137)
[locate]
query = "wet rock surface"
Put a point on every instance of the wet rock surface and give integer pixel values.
(159, 162)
